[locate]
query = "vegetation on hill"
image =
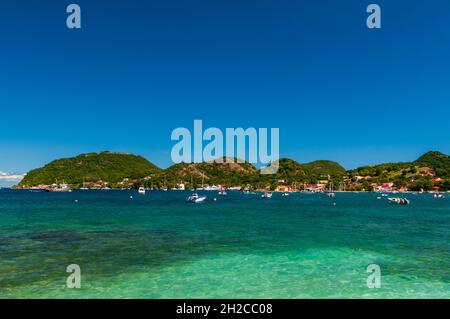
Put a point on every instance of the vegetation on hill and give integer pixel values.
(290, 169)
(228, 173)
(90, 168)
(430, 171)
(437, 161)
(322, 168)
(291, 172)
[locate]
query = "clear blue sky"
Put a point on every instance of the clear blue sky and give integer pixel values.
(138, 69)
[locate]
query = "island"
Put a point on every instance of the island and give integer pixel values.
(116, 170)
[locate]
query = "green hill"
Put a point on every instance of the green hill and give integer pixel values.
(291, 172)
(385, 170)
(229, 174)
(290, 169)
(434, 160)
(233, 174)
(106, 166)
(415, 175)
(437, 161)
(113, 168)
(322, 168)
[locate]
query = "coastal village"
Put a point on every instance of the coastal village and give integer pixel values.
(348, 183)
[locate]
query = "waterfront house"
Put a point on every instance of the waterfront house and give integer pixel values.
(315, 187)
(283, 188)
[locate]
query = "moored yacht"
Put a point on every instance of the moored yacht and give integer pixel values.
(222, 191)
(195, 198)
(398, 200)
(266, 195)
(61, 188)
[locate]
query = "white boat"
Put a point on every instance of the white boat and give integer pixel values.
(203, 184)
(212, 188)
(266, 195)
(165, 185)
(438, 196)
(285, 194)
(141, 190)
(330, 193)
(400, 201)
(195, 198)
(84, 188)
(222, 191)
(35, 190)
(61, 188)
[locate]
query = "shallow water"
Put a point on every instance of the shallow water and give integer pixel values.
(158, 246)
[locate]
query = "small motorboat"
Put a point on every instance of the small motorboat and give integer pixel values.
(438, 196)
(285, 194)
(38, 190)
(195, 198)
(398, 200)
(266, 195)
(141, 190)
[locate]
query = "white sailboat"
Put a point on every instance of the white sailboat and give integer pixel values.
(195, 198)
(203, 181)
(84, 188)
(165, 186)
(266, 195)
(61, 188)
(398, 200)
(330, 193)
(222, 191)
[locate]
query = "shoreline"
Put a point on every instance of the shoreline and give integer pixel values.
(229, 190)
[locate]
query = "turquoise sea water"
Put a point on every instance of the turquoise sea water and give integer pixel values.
(242, 246)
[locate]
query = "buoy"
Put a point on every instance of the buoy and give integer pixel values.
(334, 204)
(76, 200)
(131, 196)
